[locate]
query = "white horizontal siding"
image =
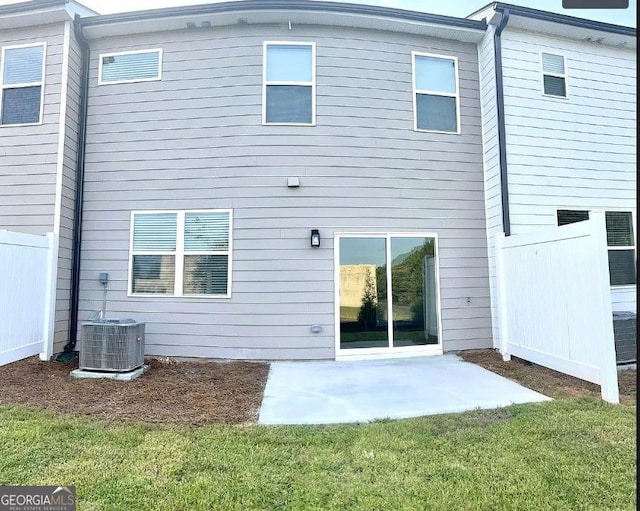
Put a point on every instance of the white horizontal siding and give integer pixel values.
(579, 152)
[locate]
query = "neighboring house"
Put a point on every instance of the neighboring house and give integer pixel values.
(39, 97)
(569, 142)
(219, 137)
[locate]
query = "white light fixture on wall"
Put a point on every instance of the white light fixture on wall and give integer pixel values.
(315, 238)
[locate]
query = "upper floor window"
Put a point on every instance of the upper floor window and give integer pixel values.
(22, 84)
(289, 83)
(435, 93)
(620, 242)
(181, 253)
(130, 66)
(554, 79)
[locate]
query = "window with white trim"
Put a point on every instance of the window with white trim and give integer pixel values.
(181, 253)
(435, 93)
(22, 84)
(289, 83)
(620, 242)
(130, 66)
(554, 78)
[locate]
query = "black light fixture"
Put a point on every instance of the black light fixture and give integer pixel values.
(315, 238)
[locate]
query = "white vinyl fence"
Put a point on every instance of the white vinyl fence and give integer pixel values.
(555, 301)
(27, 295)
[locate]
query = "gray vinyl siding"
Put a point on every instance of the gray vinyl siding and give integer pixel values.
(491, 156)
(28, 154)
(65, 251)
(195, 141)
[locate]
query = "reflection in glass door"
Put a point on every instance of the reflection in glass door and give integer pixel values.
(369, 266)
(363, 293)
(413, 290)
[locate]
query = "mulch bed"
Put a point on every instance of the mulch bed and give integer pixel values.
(547, 381)
(169, 392)
(176, 392)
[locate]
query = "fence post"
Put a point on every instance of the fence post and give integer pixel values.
(608, 367)
(501, 292)
(49, 312)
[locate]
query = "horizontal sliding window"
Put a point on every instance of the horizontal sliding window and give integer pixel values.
(620, 243)
(554, 80)
(22, 84)
(435, 88)
(289, 83)
(181, 253)
(134, 66)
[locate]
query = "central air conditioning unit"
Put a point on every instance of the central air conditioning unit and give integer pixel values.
(112, 345)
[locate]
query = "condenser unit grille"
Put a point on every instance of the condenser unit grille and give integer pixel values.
(112, 345)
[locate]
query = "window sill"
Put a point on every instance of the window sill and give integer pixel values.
(437, 131)
(624, 286)
(564, 98)
(264, 123)
(165, 296)
(136, 80)
(21, 125)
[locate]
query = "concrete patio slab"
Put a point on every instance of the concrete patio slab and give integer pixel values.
(361, 391)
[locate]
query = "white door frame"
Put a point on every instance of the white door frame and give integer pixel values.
(389, 352)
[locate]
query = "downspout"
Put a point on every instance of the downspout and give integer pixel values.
(79, 192)
(502, 143)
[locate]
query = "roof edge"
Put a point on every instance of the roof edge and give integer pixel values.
(529, 12)
(298, 5)
(31, 5)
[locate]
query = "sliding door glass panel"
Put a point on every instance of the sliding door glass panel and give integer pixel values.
(413, 291)
(363, 293)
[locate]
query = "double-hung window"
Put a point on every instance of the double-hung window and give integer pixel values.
(289, 88)
(130, 66)
(181, 253)
(22, 82)
(435, 93)
(554, 78)
(620, 242)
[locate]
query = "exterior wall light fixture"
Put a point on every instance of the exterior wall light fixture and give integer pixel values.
(315, 238)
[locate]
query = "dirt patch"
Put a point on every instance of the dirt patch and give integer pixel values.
(547, 381)
(169, 392)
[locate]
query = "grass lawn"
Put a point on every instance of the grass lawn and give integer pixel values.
(566, 454)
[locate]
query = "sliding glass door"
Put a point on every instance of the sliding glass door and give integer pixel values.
(370, 266)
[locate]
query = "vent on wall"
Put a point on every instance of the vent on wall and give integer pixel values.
(112, 345)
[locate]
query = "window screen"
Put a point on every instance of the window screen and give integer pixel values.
(553, 75)
(130, 67)
(436, 90)
(289, 84)
(22, 82)
(181, 253)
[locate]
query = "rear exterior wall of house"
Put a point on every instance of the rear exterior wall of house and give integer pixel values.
(37, 161)
(195, 140)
